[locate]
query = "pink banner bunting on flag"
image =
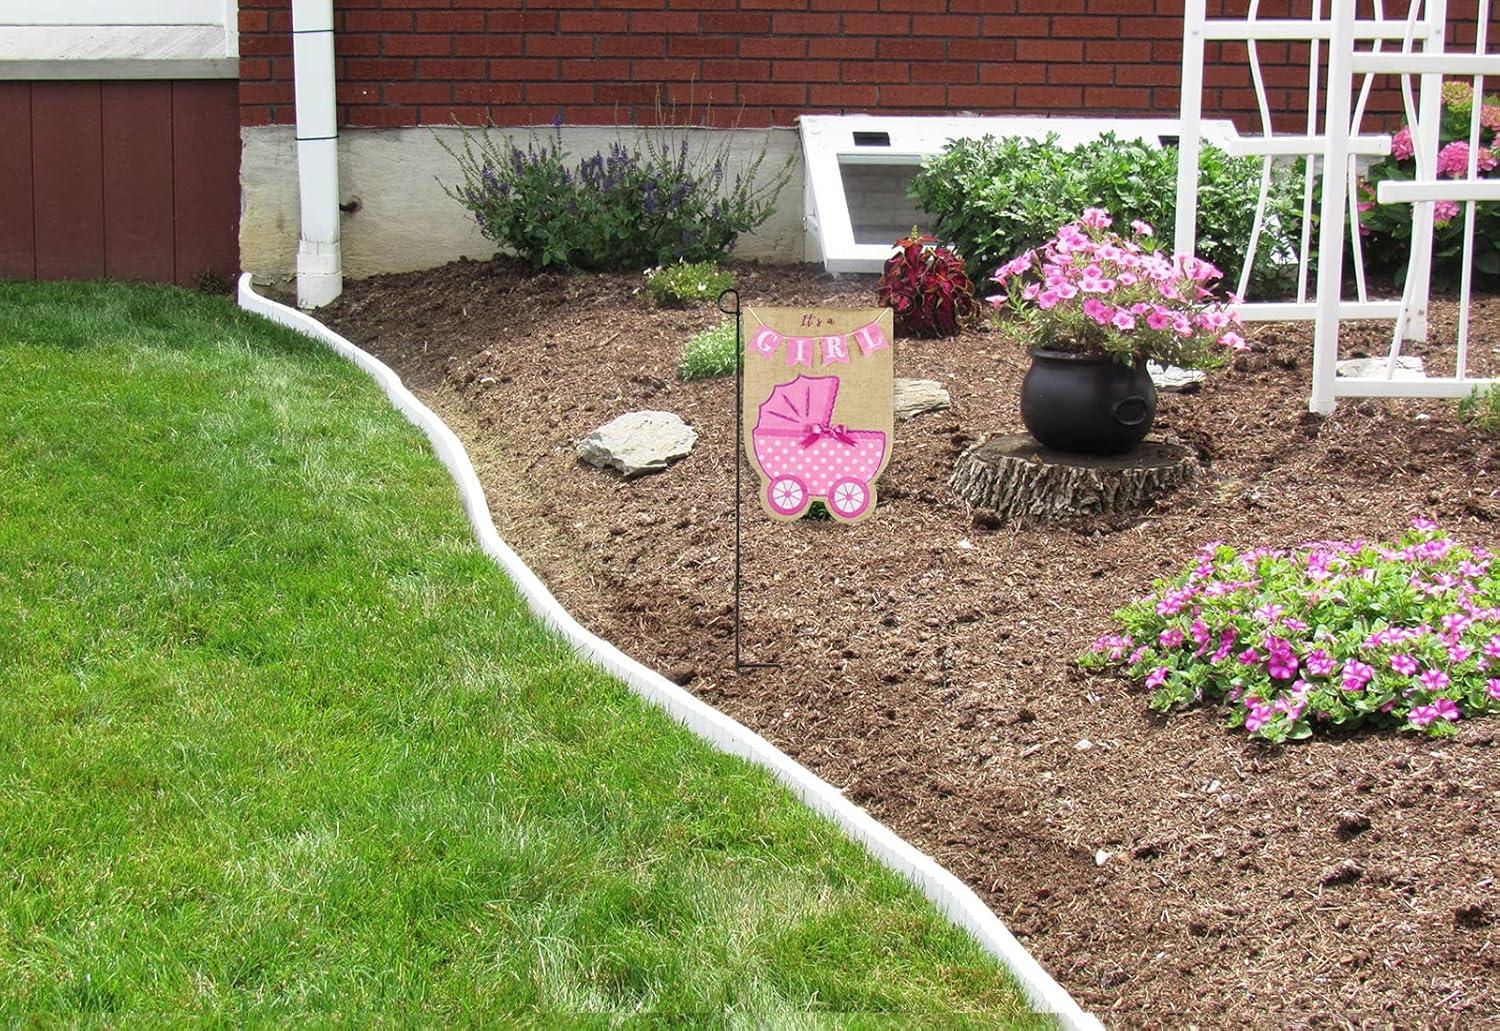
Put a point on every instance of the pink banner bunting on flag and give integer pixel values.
(765, 341)
(871, 339)
(799, 351)
(835, 349)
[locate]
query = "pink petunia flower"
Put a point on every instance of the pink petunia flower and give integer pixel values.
(1356, 675)
(1319, 663)
(1404, 664)
(1434, 680)
(1257, 714)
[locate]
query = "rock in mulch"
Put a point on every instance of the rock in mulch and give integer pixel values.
(1345, 872)
(1407, 367)
(1350, 824)
(638, 443)
(918, 396)
(1173, 380)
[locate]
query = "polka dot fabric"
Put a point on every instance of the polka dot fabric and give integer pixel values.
(824, 462)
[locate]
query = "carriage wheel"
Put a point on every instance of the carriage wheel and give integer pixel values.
(787, 495)
(848, 499)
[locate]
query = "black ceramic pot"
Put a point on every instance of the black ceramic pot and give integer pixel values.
(1086, 403)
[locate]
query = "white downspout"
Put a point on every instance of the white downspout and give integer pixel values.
(320, 267)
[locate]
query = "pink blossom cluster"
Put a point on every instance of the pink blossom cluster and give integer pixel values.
(1453, 160)
(1092, 290)
(1330, 633)
(1401, 145)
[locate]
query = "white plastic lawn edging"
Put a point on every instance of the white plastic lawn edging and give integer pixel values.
(944, 890)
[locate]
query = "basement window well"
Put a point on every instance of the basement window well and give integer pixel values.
(859, 166)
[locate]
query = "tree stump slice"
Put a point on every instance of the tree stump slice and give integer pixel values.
(1018, 478)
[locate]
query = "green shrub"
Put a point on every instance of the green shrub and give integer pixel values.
(687, 283)
(1387, 227)
(624, 210)
(710, 353)
(992, 199)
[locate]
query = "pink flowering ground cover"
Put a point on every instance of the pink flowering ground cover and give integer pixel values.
(1336, 634)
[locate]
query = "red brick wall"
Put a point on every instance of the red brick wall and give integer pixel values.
(759, 62)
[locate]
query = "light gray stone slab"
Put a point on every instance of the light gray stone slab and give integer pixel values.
(638, 443)
(1407, 367)
(1174, 380)
(918, 396)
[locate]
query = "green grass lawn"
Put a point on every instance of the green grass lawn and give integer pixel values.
(277, 742)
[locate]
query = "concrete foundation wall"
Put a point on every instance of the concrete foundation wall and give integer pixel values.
(405, 221)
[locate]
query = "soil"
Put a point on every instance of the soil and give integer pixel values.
(927, 654)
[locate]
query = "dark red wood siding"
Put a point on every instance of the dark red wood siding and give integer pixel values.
(127, 180)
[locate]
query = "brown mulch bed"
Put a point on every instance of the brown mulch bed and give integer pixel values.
(927, 654)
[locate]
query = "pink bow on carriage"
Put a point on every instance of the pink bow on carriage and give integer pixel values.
(816, 431)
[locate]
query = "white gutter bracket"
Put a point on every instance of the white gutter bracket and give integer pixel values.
(320, 266)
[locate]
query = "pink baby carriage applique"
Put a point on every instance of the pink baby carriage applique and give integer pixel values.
(805, 458)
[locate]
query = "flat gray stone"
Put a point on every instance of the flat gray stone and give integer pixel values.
(918, 396)
(638, 443)
(1173, 380)
(1407, 367)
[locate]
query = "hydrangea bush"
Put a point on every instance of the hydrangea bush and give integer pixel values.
(1386, 228)
(1092, 291)
(1332, 634)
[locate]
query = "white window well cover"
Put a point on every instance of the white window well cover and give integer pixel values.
(867, 160)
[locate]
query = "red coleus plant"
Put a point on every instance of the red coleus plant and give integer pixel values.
(926, 287)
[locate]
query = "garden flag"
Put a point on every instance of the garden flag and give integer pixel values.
(818, 408)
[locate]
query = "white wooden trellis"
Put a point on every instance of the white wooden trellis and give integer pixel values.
(1345, 61)
(1332, 141)
(1270, 145)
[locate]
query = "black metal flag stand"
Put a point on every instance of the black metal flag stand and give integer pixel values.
(739, 463)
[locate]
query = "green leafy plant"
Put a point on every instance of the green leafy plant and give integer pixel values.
(687, 283)
(1332, 634)
(1386, 228)
(993, 198)
(710, 353)
(926, 288)
(1482, 409)
(626, 209)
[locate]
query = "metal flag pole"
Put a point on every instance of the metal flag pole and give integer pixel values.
(739, 458)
